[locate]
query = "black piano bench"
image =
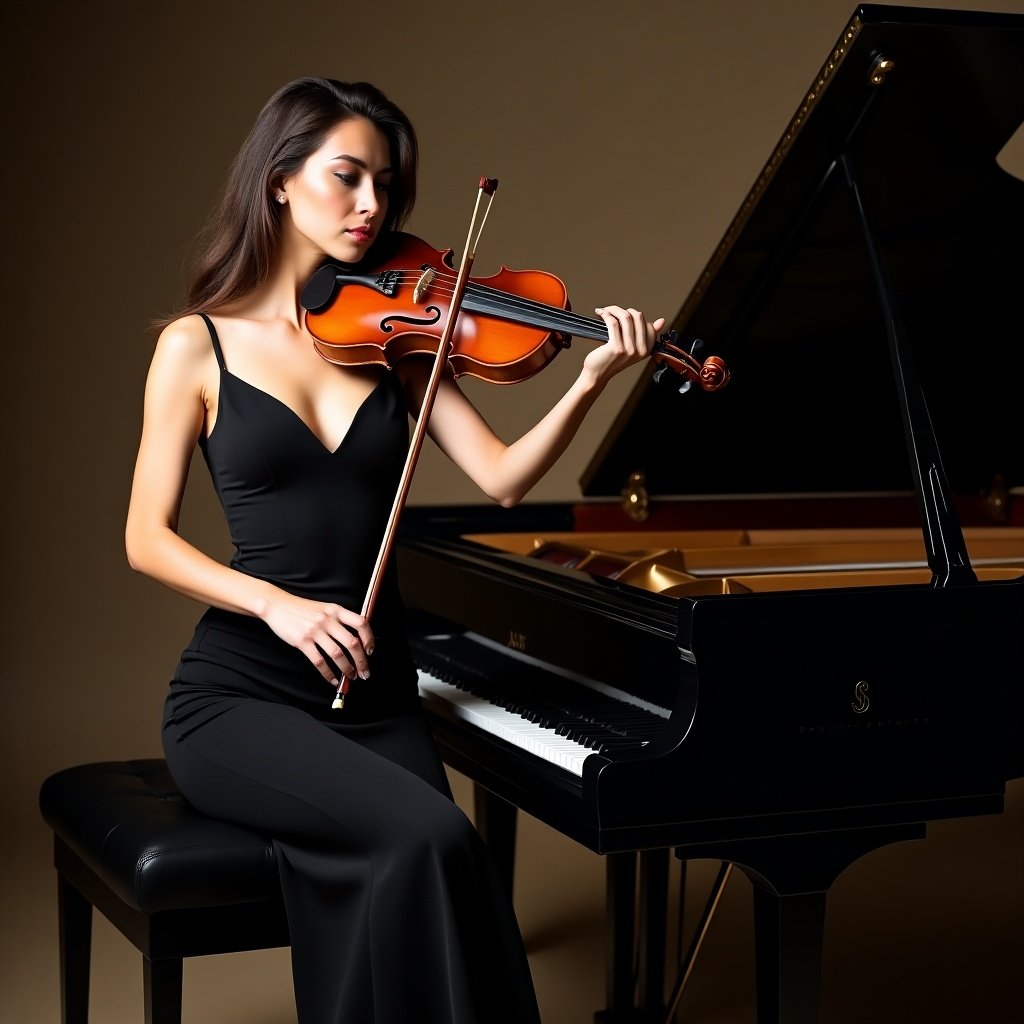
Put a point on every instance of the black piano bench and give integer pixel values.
(174, 882)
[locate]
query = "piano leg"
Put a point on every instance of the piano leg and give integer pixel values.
(496, 822)
(635, 936)
(791, 876)
(653, 929)
(788, 934)
(620, 931)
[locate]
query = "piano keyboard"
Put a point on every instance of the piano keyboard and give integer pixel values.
(512, 728)
(559, 720)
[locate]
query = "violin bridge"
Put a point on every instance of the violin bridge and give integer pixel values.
(423, 284)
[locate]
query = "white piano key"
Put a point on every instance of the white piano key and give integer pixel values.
(506, 725)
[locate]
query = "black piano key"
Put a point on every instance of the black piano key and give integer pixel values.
(568, 708)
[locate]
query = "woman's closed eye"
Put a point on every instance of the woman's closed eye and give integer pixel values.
(352, 180)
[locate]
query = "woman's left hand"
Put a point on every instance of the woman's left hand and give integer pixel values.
(630, 339)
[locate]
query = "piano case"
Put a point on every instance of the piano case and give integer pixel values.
(784, 626)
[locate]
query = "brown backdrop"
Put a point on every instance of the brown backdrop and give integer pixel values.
(624, 136)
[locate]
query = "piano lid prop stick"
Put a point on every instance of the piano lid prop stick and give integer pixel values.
(698, 940)
(487, 188)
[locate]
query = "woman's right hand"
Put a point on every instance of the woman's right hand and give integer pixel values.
(322, 631)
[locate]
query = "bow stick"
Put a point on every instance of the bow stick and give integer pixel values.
(487, 188)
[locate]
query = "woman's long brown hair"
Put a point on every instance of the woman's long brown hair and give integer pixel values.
(242, 240)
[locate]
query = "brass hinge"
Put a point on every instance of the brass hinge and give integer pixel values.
(635, 499)
(997, 501)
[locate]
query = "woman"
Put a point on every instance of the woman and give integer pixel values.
(393, 908)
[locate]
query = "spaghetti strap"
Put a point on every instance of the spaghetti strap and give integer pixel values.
(215, 340)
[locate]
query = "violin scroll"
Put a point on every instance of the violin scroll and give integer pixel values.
(711, 375)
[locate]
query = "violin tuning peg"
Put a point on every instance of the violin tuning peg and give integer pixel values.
(665, 374)
(696, 345)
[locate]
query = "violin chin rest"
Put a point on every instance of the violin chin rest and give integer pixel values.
(320, 288)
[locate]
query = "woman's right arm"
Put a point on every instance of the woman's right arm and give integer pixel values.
(182, 373)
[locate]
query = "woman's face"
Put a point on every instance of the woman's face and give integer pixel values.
(338, 201)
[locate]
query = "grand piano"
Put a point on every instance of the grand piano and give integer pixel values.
(784, 626)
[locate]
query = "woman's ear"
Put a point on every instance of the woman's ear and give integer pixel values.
(277, 188)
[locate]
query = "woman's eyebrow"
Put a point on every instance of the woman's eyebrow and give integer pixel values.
(360, 163)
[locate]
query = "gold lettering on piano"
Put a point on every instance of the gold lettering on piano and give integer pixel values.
(868, 725)
(864, 723)
(517, 641)
(861, 701)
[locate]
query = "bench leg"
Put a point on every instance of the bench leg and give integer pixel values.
(162, 984)
(75, 928)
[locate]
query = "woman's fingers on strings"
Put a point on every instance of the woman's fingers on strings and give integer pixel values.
(607, 314)
(629, 331)
(638, 336)
(621, 328)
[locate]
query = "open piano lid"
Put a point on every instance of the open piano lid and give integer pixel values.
(789, 300)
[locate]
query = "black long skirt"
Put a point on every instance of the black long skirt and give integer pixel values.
(394, 908)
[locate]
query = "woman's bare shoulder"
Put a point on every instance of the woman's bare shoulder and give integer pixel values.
(187, 338)
(184, 356)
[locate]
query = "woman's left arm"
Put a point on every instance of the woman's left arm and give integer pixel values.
(506, 472)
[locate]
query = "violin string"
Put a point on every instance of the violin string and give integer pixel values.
(508, 299)
(568, 319)
(563, 317)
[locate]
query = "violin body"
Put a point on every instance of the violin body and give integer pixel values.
(401, 306)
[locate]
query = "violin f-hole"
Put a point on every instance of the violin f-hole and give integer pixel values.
(385, 324)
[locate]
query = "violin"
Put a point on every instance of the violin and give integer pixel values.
(510, 325)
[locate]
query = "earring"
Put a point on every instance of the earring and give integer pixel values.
(282, 198)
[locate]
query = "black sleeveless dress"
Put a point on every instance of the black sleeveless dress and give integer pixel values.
(394, 909)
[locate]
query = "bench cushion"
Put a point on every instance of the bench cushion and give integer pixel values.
(130, 825)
